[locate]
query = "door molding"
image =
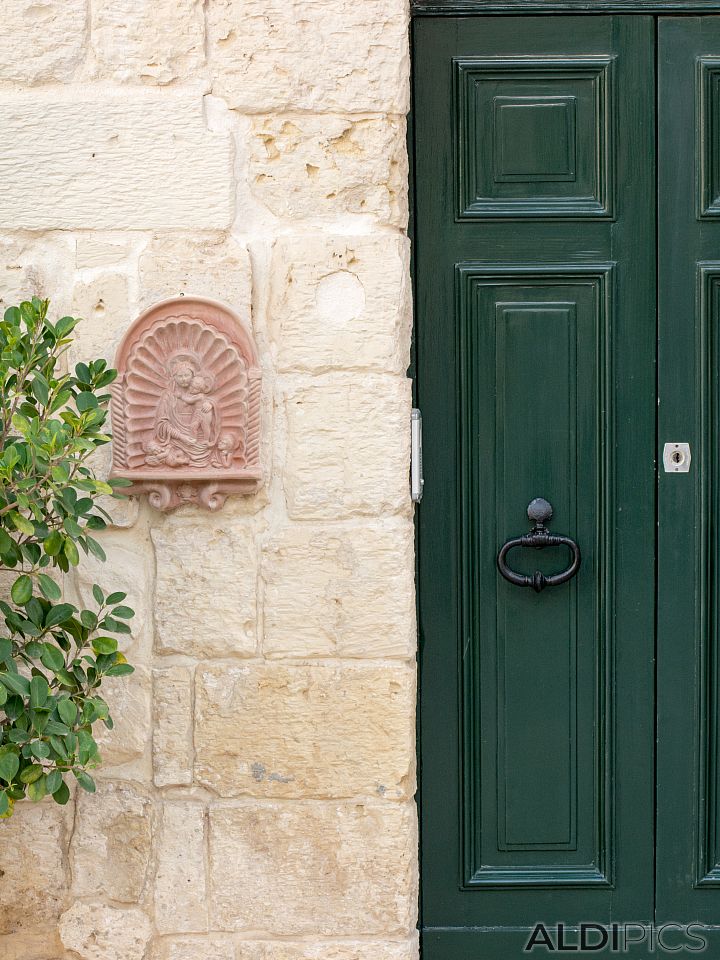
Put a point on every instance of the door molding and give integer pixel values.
(422, 8)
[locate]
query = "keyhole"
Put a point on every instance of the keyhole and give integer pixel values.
(677, 457)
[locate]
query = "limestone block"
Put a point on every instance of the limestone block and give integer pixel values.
(129, 568)
(205, 594)
(180, 886)
(103, 306)
(213, 947)
(100, 251)
(280, 55)
(344, 589)
(154, 42)
(111, 845)
(33, 876)
(129, 702)
(122, 160)
(43, 41)
(337, 869)
(38, 267)
(336, 165)
(284, 950)
(172, 731)
(215, 266)
(341, 302)
(348, 447)
(40, 944)
(305, 731)
(98, 932)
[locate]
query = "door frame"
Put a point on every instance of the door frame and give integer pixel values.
(477, 8)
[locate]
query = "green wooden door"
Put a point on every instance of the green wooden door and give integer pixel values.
(559, 188)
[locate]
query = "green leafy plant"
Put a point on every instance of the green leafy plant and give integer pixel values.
(53, 656)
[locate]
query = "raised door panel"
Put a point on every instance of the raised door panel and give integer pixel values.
(535, 302)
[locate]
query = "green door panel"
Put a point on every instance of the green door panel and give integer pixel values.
(688, 804)
(536, 322)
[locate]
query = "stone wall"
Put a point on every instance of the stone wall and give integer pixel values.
(256, 801)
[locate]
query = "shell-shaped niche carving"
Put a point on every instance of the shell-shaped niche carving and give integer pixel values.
(186, 405)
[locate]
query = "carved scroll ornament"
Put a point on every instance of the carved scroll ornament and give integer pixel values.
(186, 405)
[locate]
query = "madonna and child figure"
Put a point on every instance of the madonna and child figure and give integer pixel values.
(188, 423)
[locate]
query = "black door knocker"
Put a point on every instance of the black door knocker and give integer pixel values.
(540, 512)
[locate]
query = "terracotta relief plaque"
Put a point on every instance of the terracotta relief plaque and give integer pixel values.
(186, 405)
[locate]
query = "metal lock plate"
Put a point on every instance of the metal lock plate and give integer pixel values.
(676, 457)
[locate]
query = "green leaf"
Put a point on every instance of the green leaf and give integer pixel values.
(16, 684)
(4, 803)
(50, 588)
(59, 614)
(62, 794)
(37, 789)
(39, 691)
(115, 598)
(9, 765)
(52, 658)
(31, 774)
(104, 645)
(98, 594)
(120, 670)
(71, 552)
(22, 589)
(82, 372)
(53, 543)
(125, 613)
(5, 648)
(88, 619)
(21, 523)
(85, 780)
(3, 696)
(64, 326)
(6, 542)
(86, 401)
(40, 749)
(57, 729)
(67, 711)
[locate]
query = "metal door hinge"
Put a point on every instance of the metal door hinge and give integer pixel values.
(677, 457)
(417, 481)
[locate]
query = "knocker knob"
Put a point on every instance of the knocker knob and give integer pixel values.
(539, 511)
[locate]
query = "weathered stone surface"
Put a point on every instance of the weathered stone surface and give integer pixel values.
(172, 730)
(43, 40)
(111, 846)
(153, 43)
(261, 729)
(99, 932)
(348, 447)
(33, 876)
(342, 589)
(213, 947)
(129, 569)
(336, 165)
(180, 887)
(341, 302)
(129, 702)
(336, 869)
(36, 267)
(101, 251)
(38, 944)
(214, 266)
(103, 306)
(269, 950)
(113, 160)
(286, 55)
(205, 595)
